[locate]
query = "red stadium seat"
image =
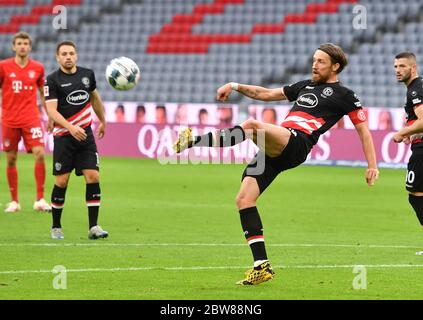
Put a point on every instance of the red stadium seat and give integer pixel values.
(182, 25)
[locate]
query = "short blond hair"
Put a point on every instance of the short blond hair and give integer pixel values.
(22, 35)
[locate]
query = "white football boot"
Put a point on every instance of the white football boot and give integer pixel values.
(57, 233)
(97, 232)
(42, 206)
(13, 207)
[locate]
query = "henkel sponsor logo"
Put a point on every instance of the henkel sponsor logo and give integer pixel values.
(308, 100)
(78, 97)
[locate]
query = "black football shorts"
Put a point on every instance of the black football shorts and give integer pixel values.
(414, 178)
(69, 154)
(265, 169)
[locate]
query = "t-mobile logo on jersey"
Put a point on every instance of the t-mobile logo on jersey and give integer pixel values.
(17, 86)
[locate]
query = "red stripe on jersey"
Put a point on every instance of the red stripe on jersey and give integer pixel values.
(303, 122)
(409, 123)
(82, 120)
(66, 132)
(305, 116)
(294, 125)
(417, 141)
(79, 113)
(357, 116)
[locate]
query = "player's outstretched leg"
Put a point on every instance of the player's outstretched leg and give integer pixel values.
(269, 138)
(221, 138)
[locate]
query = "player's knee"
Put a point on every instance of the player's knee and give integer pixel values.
(92, 177)
(244, 201)
(11, 161)
(61, 183)
(250, 124)
(39, 156)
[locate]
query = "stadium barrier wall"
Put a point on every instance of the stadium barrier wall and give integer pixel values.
(338, 146)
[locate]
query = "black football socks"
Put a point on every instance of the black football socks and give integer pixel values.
(224, 138)
(57, 204)
(417, 204)
(93, 197)
(253, 231)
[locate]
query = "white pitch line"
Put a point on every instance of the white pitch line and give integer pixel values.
(294, 245)
(199, 268)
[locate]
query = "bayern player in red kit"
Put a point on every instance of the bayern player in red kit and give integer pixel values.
(319, 103)
(20, 79)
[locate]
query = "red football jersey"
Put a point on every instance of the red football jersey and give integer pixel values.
(19, 92)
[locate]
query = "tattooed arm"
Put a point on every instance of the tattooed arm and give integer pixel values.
(253, 92)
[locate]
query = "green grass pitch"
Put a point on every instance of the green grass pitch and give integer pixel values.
(175, 234)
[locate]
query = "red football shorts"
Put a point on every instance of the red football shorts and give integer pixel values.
(32, 136)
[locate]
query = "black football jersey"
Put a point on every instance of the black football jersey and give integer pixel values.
(318, 107)
(72, 92)
(414, 99)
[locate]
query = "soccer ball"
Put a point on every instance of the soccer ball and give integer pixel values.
(123, 73)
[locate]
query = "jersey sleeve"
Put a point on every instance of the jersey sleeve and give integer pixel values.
(291, 91)
(93, 83)
(50, 90)
(353, 108)
(416, 98)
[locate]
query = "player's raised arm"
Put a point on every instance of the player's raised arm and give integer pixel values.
(372, 173)
(98, 107)
(251, 91)
(77, 132)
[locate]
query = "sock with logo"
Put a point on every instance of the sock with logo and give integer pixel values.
(253, 231)
(57, 204)
(93, 197)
